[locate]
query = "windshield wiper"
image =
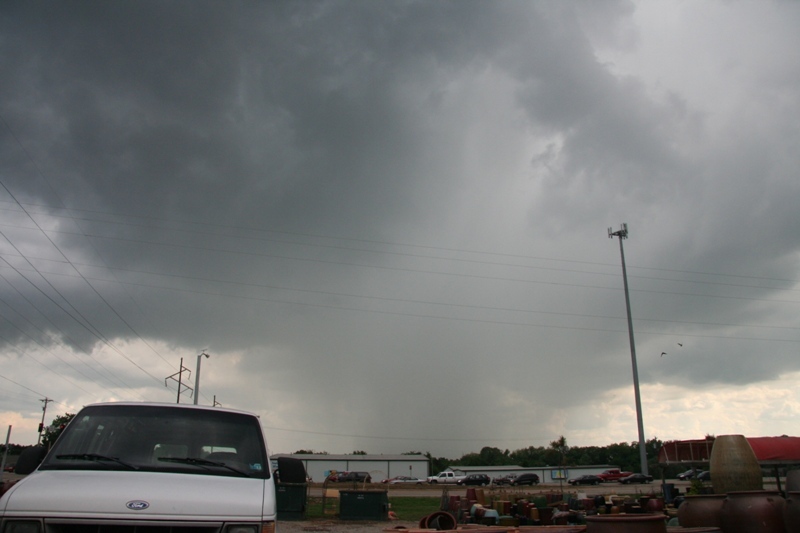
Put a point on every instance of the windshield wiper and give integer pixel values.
(202, 463)
(95, 457)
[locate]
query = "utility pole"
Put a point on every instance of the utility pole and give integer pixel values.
(623, 234)
(197, 377)
(179, 379)
(5, 456)
(46, 400)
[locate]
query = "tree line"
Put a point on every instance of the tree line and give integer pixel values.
(625, 455)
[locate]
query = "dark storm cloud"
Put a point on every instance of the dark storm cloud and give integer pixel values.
(349, 202)
(161, 106)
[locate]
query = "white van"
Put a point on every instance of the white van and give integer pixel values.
(148, 467)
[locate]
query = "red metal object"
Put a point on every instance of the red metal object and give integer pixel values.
(791, 513)
(440, 521)
(701, 510)
(776, 450)
(781, 450)
(753, 511)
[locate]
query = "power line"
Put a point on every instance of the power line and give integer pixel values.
(46, 367)
(88, 324)
(92, 330)
(413, 301)
(58, 197)
(21, 385)
(385, 437)
(97, 365)
(452, 274)
(407, 245)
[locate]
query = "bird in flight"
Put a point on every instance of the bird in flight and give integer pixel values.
(663, 354)
(681, 345)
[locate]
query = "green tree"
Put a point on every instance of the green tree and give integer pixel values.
(472, 459)
(51, 433)
(493, 456)
(437, 464)
(557, 452)
(652, 447)
(625, 454)
(528, 457)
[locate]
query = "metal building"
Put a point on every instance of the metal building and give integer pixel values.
(380, 467)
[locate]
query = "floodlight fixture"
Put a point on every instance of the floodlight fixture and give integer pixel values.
(622, 233)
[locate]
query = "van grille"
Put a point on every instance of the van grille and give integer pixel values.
(118, 528)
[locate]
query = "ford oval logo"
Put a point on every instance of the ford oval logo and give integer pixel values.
(137, 505)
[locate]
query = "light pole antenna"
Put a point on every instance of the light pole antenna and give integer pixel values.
(623, 234)
(197, 376)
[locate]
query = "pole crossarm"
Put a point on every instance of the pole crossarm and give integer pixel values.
(181, 385)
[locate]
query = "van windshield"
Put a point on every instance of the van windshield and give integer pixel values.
(161, 438)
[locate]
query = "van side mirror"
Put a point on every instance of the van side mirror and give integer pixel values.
(30, 459)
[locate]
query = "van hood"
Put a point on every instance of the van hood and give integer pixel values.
(143, 495)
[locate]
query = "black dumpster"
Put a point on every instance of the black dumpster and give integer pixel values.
(291, 489)
(363, 505)
(291, 500)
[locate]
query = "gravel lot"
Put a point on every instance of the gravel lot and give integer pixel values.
(336, 526)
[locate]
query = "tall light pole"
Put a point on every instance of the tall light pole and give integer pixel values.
(623, 234)
(197, 377)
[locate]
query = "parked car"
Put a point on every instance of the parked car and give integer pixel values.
(448, 476)
(504, 480)
(689, 474)
(400, 480)
(476, 479)
(360, 477)
(526, 479)
(704, 476)
(587, 479)
(636, 478)
(613, 474)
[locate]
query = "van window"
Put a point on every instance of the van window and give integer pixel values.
(150, 438)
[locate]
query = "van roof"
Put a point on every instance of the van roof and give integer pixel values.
(175, 406)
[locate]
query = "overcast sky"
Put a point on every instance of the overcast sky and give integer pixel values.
(387, 221)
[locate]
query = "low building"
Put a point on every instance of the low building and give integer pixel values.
(319, 466)
(547, 474)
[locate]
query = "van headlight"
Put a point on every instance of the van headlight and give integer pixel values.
(264, 527)
(22, 526)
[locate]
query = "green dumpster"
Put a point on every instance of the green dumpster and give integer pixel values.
(363, 505)
(291, 500)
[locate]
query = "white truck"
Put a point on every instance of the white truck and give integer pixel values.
(448, 476)
(148, 467)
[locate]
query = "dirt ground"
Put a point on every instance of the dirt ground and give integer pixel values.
(336, 526)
